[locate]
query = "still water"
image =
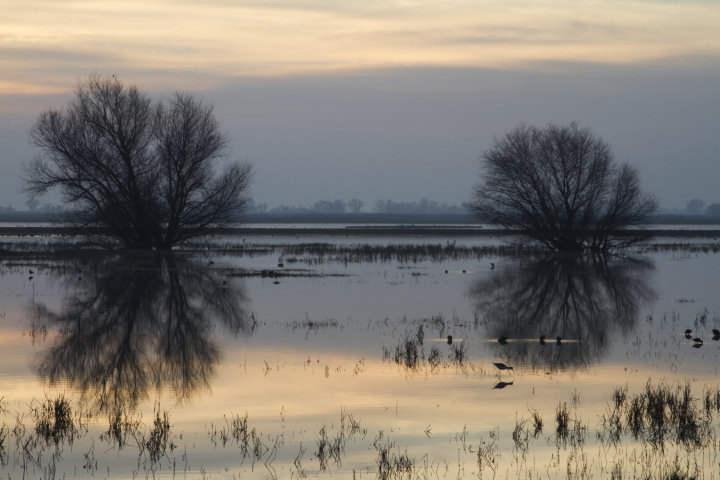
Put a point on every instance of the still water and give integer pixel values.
(342, 357)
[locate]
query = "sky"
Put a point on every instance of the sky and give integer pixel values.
(334, 99)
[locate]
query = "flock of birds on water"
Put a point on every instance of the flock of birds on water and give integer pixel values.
(697, 343)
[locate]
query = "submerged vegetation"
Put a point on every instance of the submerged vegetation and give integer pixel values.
(680, 427)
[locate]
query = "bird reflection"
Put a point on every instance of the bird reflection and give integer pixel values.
(581, 299)
(140, 323)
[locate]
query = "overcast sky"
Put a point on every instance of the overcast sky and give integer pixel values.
(383, 99)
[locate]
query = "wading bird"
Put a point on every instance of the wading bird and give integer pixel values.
(502, 366)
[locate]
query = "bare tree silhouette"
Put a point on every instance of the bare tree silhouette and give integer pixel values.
(138, 323)
(582, 299)
(561, 187)
(141, 172)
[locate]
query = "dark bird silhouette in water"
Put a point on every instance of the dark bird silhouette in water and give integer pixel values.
(558, 340)
(31, 272)
(492, 266)
(688, 333)
(502, 340)
(449, 340)
(542, 339)
(500, 385)
(716, 334)
(502, 366)
(698, 342)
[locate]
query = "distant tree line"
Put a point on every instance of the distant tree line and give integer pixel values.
(697, 206)
(424, 206)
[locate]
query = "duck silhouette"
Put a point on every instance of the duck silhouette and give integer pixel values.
(502, 340)
(688, 334)
(542, 339)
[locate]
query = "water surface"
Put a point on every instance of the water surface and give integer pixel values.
(330, 357)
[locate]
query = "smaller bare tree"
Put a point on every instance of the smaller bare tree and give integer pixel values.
(141, 171)
(560, 186)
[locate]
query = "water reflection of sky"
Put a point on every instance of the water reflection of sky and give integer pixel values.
(290, 375)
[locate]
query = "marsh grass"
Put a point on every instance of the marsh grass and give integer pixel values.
(435, 358)
(121, 425)
(329, 449)
(521, 436)
(661, 414)
(321, 253)
(537, 423)
(562, 420)
(157, 444)
(391, 462)
(54, 421)
(409, 353)
(459, 353)
(4, 431)
(684, 419)
(487, 452)
(568, 431)
(313, 325)
(332, 446)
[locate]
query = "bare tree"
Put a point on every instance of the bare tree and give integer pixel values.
(142, 171)
(561, 187)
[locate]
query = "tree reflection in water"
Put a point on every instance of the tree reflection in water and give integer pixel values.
(139, 323)
(582, 299)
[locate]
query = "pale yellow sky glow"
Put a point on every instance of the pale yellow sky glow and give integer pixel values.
(47, 46)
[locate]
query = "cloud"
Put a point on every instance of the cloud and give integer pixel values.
(51, 43)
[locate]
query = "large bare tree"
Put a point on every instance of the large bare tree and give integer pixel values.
(140, 170)
(561, 186)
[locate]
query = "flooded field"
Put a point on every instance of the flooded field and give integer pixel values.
(373, 357)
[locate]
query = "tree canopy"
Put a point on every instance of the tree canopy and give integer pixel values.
(561, 186)
(142, 171)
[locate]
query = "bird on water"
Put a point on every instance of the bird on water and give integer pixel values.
(502, 366)
(502, 340)
(688, 334)
(716, 334)
(449, 339)
(542, 339)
